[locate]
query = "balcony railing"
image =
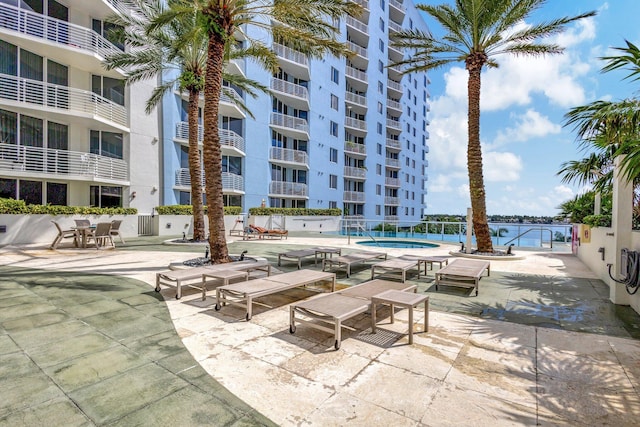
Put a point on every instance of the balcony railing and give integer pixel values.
(73, 101)
(54, 30)
(394, 124)
(392, 182)
(353, 196)
(291, 122)
(230, 181)
(392, 201)
(357, 24)
(397, 4)
(62, 162)
(227, 137)
(356, 74)
(291, 54)
(391, 218)
(288, 155)
(394, 85)
(353, 172)
(393, 143)
(357, 49)
(354, 147)
(355, 98)
(392, 163)
(363, 3)
(393, 26)
(394, 104)
(284, 188)
(289, 88)
(355, 123)
(229, 95)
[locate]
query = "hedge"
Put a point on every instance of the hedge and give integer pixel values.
(13, 207)
(597, 220)
(295, 212)
(188, 210)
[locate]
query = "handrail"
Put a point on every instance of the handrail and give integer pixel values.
(355, 223)
(533, 229)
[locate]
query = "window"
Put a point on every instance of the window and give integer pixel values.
(381, 24)
(378, 169)
(333, 155)
(378, 209)
(333, 128)
(379, 128)
(382, 4)
(379, 107)
(105, 197)
(333, 181)
(406, 211)
(333, 204)
(108, 31)
(184, 197)
(106, 144)
(111, 89)
(380, 66)
(378, 189)
(56, 194)
(381, 45)
(334, 102)
(335, 75)
(411, 23)
(380, 87)
(31, 192)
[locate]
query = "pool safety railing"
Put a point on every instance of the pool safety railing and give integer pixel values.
(517, 238)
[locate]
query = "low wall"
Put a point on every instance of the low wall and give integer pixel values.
(298, 223)
(602, 237)
(175, 225)
(27, 229)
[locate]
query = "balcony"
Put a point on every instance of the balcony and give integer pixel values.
(392, 182)
(289, 157)
(365, 8)
(231, 183)
(354, 149)
(361, 58)
(61, 102)
(357, 78)
(38, 162)
(230, 102)
(101, 8)
(392, 201)
(396, 10)
(395, 87)
(394, 27)
(355, 173)
(288, 189)
(232, 143)
(63, 41)
(395, 54)
(295, 62)
(394, 124)
(392, 163)
(235, 66)
(394, 73)
(353, 196)
(394, 105)
(391, 218)
(355, 99)
(357, 124)
(361, 29)
(294, 95)
(393, 144)
(290, 125)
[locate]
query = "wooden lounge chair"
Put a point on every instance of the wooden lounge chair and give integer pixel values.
(242, 294)
(463, 272)
(348, 260)
(178, 278)
(262, 232)
(335, 308)
(427, 260)
(396, 265)
(303, 253)
(64, 234)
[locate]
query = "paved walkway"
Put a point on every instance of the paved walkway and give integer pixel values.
(79, 348)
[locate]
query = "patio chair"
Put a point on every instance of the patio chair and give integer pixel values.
(82, 223)
(115, 229)
(64, 234)
(102, 235)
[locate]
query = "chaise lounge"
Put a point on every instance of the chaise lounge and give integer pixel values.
(347, 261)
(463, 273)
(261, 232)
(335, 308)
(242, 294)
(303, 253)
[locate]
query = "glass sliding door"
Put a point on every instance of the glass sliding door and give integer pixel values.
(31, 68)
(31, 135)
(8, 67)
(58, 75)
(58, 143)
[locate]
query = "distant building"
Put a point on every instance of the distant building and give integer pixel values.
(337, 133)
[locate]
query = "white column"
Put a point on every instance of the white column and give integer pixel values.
(597, 203)
(622, 212)
(469, 229)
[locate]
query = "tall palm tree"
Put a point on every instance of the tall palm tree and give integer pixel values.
(304, 25)
(476, 31)
(153, 52)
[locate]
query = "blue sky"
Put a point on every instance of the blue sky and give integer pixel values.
(522, 107)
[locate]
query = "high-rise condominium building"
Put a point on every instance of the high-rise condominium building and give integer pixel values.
(71, 133)
(347, 133)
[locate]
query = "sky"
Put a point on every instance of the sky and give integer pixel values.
(523, 103)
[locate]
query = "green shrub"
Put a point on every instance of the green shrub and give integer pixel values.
(11, 206)
(295, 212)
(387, 227)
(188, 210)
(597, 220)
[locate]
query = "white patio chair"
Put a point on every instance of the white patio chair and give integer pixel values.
(64, 234)
(102, 235)
(115, 229)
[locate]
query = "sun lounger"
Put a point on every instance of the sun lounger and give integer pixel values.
(395, 265)
(335, 308)
(261, 232)
(427, 261)
(178, 278)
(463, 272)
(242, 294)
(303, 253)
(348, 260)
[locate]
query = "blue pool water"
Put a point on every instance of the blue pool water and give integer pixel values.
(403, 244)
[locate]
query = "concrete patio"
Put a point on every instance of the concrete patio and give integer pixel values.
(84, 340)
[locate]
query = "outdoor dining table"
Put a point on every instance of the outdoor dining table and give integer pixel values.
(84, 232)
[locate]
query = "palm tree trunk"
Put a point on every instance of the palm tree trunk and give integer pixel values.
(474, 160)
(212, 151)
(195, 170)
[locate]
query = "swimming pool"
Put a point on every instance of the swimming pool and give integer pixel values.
(403, 244)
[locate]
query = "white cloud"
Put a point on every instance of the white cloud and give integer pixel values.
(501, 166)
(529, 125)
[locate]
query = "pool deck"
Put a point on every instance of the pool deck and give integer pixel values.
(84, 340)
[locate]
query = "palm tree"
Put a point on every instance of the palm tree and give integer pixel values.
(152, 53)
(476, 31)
(304, 25)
